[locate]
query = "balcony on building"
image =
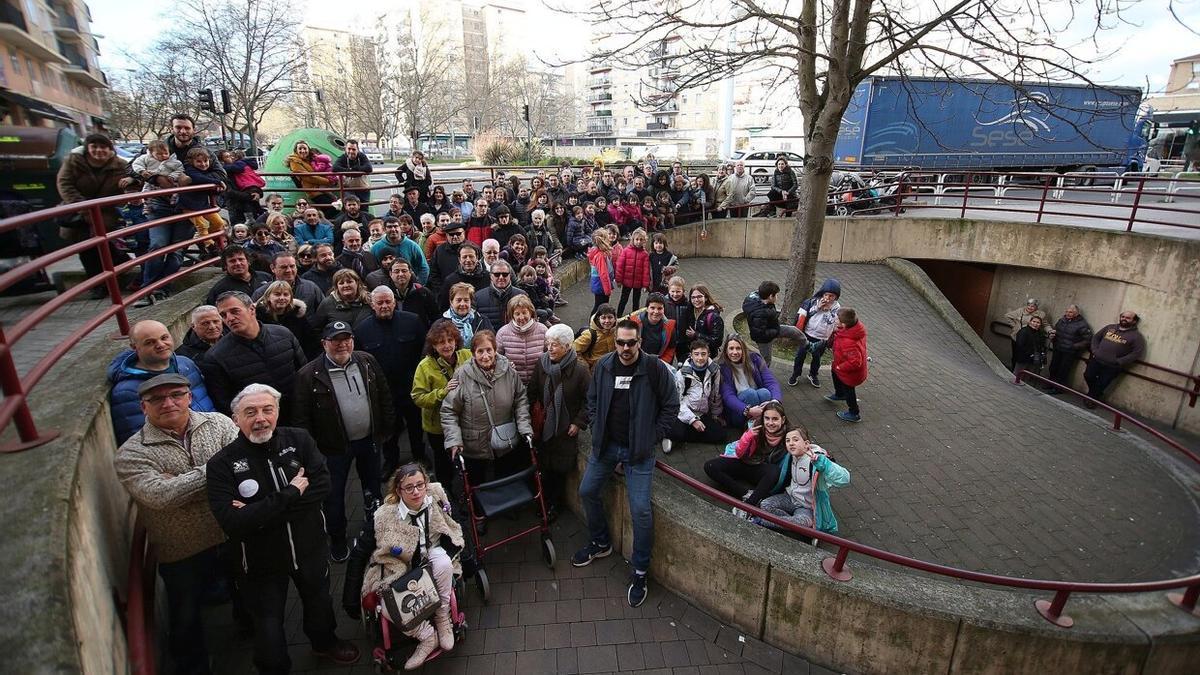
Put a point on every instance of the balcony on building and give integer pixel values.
(599, 69)
(603, 97)
(600, 125)
(77, 68)
(66, 26)
(18, 32)
(599, 81)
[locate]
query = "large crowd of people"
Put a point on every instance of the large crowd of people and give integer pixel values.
(393, 345)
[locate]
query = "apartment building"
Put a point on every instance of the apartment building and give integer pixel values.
(49, 74)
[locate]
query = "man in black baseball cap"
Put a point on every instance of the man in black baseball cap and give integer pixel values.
(342, 398)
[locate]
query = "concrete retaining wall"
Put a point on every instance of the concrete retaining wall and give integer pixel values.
(68, 522)
(1103, 271)
(886, 619)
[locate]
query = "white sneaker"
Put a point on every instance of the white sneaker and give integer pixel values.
(666, 446)
(740, 513)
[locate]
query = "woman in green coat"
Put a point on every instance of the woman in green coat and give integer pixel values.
(433, 380)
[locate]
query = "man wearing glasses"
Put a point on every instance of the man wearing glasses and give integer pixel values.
(492, 301)
(631, 405)
(162, 466)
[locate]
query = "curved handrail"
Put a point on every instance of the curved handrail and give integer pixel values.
(835, 566)
(1193, 393)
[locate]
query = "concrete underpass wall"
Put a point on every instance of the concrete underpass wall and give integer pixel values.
(1102, 271)
(68, 522)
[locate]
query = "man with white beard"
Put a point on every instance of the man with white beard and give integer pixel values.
(266, 489)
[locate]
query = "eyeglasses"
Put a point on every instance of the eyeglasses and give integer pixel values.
(174, 396)
(500, 274)
(627, 343)
(415, 487)
(301, 203)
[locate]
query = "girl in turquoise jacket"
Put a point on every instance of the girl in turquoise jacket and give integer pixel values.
(805, 500)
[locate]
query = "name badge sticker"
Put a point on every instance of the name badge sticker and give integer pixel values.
(623, 381)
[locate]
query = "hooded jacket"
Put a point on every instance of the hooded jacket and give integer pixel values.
(429, 387)
(850, 354)
(279, 527)
(818, 323)
(668, 328)
(465, 411)
(78, 181)
(168, 483)
(633, 267)
(602, 272)
(699, 391)
(296, 165)
(594, 342)
(577, 233)
(763, 319)
(125, 377)
(317, 407)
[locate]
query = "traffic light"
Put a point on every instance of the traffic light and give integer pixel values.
(206, 100)
(525, 112)
(320, 96)
(225, 108)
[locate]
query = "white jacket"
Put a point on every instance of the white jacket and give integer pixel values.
(699, 391)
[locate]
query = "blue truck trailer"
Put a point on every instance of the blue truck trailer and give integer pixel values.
(938, 123)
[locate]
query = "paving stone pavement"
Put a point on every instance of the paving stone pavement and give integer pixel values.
(954, 465)
(539, 622)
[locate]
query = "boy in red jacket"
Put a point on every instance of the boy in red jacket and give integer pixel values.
(849, 343)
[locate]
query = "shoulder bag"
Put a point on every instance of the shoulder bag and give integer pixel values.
(504, 437)
(412, 598)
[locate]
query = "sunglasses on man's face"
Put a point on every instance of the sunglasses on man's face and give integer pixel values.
(627, 343)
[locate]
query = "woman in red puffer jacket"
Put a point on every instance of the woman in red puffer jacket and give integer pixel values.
(633, 270)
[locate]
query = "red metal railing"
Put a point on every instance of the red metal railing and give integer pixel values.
(1035, 195)
(139, 605)
(1051, 610)
(1192, 391)
(1118, 415)
(15, 407)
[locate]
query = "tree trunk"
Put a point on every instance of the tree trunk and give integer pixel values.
(810, 226)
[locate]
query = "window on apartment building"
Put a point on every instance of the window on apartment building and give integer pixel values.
(16, 62)
(29, 66)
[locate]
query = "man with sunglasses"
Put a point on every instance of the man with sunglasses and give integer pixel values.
(631, 406)
(492, 301)
(162, 467)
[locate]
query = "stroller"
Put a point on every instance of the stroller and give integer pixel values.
(488, 500)
(392, 647)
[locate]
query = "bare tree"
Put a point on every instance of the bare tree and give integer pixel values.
(373, 103)
(143, 100)
(251, 48)
(551, 107)
(422, 76)
(824, 48)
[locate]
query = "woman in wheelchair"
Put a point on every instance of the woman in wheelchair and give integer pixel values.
(414, 527)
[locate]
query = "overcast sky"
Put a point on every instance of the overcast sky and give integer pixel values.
(1145, 45)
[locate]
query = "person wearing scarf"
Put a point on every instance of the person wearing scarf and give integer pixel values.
(559, 384)
(463, 315)
(414, 172)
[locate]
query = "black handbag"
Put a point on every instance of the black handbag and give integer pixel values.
(413, 598)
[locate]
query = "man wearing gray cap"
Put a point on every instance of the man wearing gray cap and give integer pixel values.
(342, 398)
(162, 466)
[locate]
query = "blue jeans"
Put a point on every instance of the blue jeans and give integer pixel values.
(365, 457)
(753, 397)
(638, 480)
(802, 351)
(160, 237)
(186, 582)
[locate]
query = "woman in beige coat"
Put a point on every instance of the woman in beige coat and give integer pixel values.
(489, 394)
(415, 516)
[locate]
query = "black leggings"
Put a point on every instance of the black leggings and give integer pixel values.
(714, 431)
(736, 478)
(600, 300)
(637, 299)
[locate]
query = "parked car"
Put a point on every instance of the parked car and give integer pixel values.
(761, 165)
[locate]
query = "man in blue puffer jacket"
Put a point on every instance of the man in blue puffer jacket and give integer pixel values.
(152, 352)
